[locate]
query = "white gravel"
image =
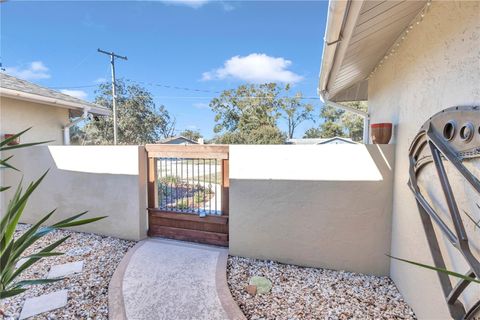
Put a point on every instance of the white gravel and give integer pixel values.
(87, 291)
(310, 293)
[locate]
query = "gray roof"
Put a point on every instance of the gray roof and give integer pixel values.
(12, 83)
(319, 140)
(182, 139)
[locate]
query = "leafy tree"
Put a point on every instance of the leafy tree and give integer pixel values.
(248, 114)
(295, 111)
(191, 134)
(339, 123)
(139, 120)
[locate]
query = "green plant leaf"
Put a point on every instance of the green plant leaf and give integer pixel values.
(32, 282)
(426, 266)
(70, 219)
(12, 138)
(4, 162)
(24, 145)
(79, 222)
(4, 188)
(10, 293)
(31, 261)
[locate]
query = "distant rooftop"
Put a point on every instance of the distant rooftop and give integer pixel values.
(334, 140)
(16, 88)
(177, 140)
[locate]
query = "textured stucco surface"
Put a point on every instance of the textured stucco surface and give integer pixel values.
(437, 66)
(74, 185)
(46, 121)
(342, 224)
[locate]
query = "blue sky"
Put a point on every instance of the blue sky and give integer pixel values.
(199, 44)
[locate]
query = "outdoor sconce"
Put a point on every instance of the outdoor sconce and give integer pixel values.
(13, 142)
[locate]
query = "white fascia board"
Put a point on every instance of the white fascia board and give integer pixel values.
(25, 96)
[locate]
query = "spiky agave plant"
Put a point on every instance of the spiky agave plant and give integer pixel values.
(12, 249)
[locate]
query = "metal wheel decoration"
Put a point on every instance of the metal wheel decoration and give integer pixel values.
(444, 177)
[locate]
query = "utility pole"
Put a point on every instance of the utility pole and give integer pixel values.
(114, 96)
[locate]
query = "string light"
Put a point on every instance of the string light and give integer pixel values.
(391, 51)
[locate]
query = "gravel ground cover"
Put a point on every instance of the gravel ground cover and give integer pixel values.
(87, 291)
(310, 293)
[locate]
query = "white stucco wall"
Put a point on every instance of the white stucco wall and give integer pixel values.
(437, 66)
(316, 205)
(46, 121)
(105, 180)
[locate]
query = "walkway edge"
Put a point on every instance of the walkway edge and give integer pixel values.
(116, 306)
(226, 299)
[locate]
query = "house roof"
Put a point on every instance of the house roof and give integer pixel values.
(319, 140)
(170, 139)
(16, 88)
(358, 35)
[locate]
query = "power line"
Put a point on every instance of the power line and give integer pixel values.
(153, 84)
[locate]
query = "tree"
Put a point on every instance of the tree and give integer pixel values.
(295, 111)
(139, 120)
(248, 114)
(191, 134)
(339, 123)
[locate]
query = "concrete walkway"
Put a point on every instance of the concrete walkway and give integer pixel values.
(168, 279)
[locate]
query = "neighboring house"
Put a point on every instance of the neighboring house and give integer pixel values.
(24, 104)
(334, 140)
(177, 140)
(410, 60)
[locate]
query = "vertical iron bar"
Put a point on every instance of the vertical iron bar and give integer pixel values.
(204, 189)
(159, 182)
(210, 186)
(198, 183)
(188, 186)
(215, 194)
(171, 184)
(176, 184)
(193, 185)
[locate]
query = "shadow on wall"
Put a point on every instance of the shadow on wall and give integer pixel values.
(104, 180)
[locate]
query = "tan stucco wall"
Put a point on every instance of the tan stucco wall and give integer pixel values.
(437, 66)
(105, 180)
(47, 121)
(323, 206)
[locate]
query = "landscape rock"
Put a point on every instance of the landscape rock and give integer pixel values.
(251, 289)
(262, 284)
(87, 291)
(313, 293)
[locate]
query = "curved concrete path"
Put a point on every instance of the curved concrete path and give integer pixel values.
(168, 279)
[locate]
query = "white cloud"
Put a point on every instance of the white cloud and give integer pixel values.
(36, 70)
(189, 3)
(201, 105)
(80, 94)
(256, 68)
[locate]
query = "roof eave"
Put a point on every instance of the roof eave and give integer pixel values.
(341, 20)
(25, 96)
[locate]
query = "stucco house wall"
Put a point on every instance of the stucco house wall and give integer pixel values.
(47, 121)
(437, 66)
(103, 180)
(313, 205)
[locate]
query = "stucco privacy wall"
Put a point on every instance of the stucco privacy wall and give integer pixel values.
(46, 121)
(105, 180)
(322, 205)
(437, 66)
